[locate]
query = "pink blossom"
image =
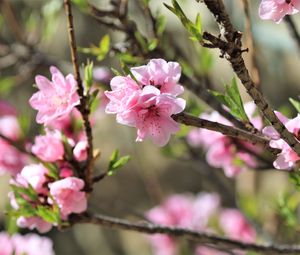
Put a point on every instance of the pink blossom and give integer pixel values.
(277, 9)
(80, 150)
(287, 157)
(161, 74)
(102, 74)
(162, 244)
(235, 225)
(204, 207)
(34, 223)
(11, 160)
(6, 244)
(9, 127)
(35, 175)
(32, 244)
(151, 115)
(65, 172)
(67, 194)
(48, 147)
(7, 109)
(56, 98)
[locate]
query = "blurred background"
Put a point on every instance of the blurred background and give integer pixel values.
(34, 36)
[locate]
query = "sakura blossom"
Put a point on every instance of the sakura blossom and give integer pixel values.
(221, 151)
(67, 194)
(34, 223)
(277, 9)
(148, 102)
(287, 158)
(80, 150)
(48, 147)
(56, 98)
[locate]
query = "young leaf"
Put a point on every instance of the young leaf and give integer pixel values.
(116, 162)
(88, 75)
(296, 104)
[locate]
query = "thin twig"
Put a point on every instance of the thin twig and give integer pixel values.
(293, 29)
(83, 107)
(231, 47)
(200, 237)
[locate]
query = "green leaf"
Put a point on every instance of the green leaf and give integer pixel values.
(81, 4)
(142, 41)
(128, 71)
(99, 51)
(152, 44)
(47, 214)
(232, 99)
(27, 192)
(94, 100)
(115, 71)
(195, 30)
(160, 24)
(296, 104)
(128, 58)
(116, 162)
(88, 75)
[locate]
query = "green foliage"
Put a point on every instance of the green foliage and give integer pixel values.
(94, 101)
(206, 60)
(296, 104)
(100, 51)
(160, 24)
(194, 29)
(116, 162)
(6, 85)
(287, 205)
(25, 124)
(127, 71)
(232, 99)
(88, 75)
(129, 59)
(81, 4)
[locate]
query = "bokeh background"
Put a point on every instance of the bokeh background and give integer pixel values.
(153, 173)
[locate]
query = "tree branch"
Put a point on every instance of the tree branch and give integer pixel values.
(200, 237)
(231, 47)
(83, 107)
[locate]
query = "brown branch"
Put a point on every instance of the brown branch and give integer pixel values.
(293, 29)
(200, 237)
(83, 107)
(231, 47)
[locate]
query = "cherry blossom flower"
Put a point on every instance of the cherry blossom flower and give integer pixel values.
(34, 223)
(6, 244)
(287, 157)
(55, 99)
(235, 225)
(203, 250)
(151, 115)
(161, 74)
(277, 9)
(31, 244)
(221, 152)
(80, 150)
(67, 194)
(48, 147)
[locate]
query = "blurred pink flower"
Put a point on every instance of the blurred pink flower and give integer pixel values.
(67, 194)
(32, 244)
(287, 157)
(80, 150)
(277, 9)
(235, 225)
(48, 147)
(34, 223)
(6, 244)
(102, 74)
(9, 127)
(56, 98)
(11, 160)
(35, 175)
(160, 74)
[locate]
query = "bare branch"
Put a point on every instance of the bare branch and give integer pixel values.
(83, 107)
(200, 237)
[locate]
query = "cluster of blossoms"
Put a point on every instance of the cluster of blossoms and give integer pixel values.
(200, 213)
(29, 244)
(222, 151)
(148, 100)
(47, 192)
(11, 160)
(277, 9)
(287, 158)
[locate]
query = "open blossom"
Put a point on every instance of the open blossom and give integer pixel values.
(34, 223)
(277, 9)
(55, 99)
(31, 244)
(221, 152)
(67, 194)
(161, 74)
(148, 102)
(48, 147)
(235, 225)
(287, 157)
